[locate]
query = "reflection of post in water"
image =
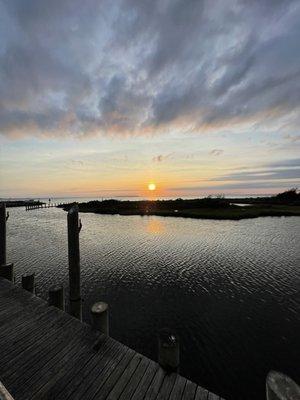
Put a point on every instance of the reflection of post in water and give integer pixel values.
(155, 226)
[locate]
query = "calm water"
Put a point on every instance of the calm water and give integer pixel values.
(229, 288)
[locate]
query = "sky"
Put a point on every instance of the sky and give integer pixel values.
(100, 98)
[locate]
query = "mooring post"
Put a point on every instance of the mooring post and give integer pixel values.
(28, 283)
(74, 227)
(3, 219)
(6, 270)
(99, 316)
(168, 350)
(57, 297)
(280, 386)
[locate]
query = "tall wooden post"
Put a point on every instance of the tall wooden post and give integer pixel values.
(74, 226)
(6, 270)
(3, 218)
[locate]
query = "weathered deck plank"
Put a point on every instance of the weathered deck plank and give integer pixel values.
(167, 386)
(189, 390)
(155, 385)
(201, 394)
(178, 388)
(76, 377)
(112, 374)
(26, 336)
(124, 379)
(145, 382)
(47, 354)
(134, 380)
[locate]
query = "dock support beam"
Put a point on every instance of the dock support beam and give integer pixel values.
(280, 386)
(168, 350)
(57, 297)
(28, 283)
(74, 227)
(99, 316)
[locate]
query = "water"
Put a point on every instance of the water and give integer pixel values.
(229, 288)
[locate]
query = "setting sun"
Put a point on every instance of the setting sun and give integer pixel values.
(151, 186)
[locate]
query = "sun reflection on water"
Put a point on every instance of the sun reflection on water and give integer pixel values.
(155, 226)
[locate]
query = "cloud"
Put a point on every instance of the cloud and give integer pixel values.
(294, 162)
(261, 175)
(137, 66)
(273, 171)
(161, 157)
(216, 152)
(292, 139)
(237, 185)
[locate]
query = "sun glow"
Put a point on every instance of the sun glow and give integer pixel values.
(151, 186)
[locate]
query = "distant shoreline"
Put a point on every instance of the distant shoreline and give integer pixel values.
(285, 204)
(207, 208)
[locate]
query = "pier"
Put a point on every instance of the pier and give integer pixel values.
(48, 354)
(37, 205)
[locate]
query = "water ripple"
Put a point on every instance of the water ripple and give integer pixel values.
(230, 288)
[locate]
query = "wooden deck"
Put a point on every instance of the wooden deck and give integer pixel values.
(47, 354)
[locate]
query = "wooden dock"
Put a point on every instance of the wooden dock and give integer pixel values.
(36, 206)
(47, 354)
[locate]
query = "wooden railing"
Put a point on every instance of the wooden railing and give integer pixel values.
(35, 206)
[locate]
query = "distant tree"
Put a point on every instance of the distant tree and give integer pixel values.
(289, 195)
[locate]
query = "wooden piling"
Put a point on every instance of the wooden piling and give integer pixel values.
(99, 317)
(3, 219)
(74, 226)
(7, 271)
(28, 283)
(168, 350)
(57, 297)
(280, 386)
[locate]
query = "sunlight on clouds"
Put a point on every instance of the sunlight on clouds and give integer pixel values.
(116, 95)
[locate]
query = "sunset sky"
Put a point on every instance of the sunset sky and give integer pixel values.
(100, 98)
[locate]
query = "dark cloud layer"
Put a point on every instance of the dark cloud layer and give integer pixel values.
(262, 175)
(284, 170)
(81, 68)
